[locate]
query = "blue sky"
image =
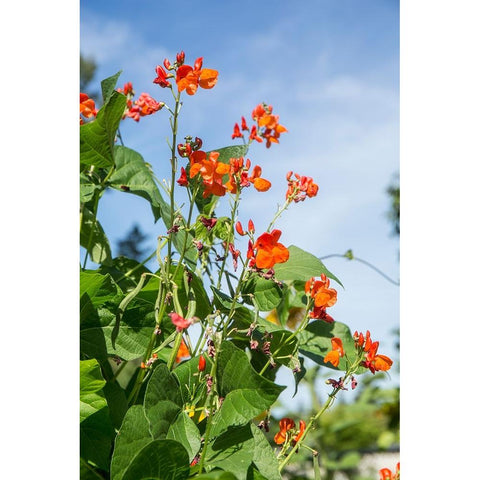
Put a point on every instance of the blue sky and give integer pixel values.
(330, 70)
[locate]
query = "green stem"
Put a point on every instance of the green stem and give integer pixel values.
(373, 267)
(230, 238)
(279, 212)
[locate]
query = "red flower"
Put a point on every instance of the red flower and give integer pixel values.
(269, 250)
(162, 76)
(236, 132)
(183, 181)
(180, 322)
(300, 188)
(320, 291)
(201, 363)
(300, 432)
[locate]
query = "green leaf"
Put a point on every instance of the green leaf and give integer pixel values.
(246, 393)
(120, 267)
(185, 432)
(93, 238)
(315, 342)
(302, 265)
(232, 451)
(264, 294)
(163, 401)
(263, 455)
(96, 431)
(133, 175)
(97, 137)
(108, 86)
(98, 289)
(134, 334)
(87, 188)
(159, 460)
(134, 434)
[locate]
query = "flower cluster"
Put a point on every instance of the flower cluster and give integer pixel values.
(145, 105)
(187, 78)
(289, 432)
(300, 188)
(267, 126)
(214, 171)
(323, 296)
(87, 107)
(366, 347)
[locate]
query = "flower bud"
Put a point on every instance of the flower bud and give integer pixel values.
(239, 229)
(251, 227)
(180, 58)
(201, 363)
(166, 64)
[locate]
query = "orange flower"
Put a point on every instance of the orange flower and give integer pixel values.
(373, 362)
(87, 107)
(333, 356)
(182, 352)
(387, 474)
(269, 251)
(286, 424)
(189, 79)
(211, 170)
(239, 176)
(300, 432)
(320, 291)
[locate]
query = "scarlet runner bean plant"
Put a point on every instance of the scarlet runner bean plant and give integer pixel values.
(177, 365)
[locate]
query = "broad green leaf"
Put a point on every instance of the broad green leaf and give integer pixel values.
(302, 265)
(97, 137)
(163, 401)
(134, 434)
(93, 238)
(108, 86)
(134, 176)
(91, 379)
(315, 342)
(264, 294)
(185, 432)
(232, 451)
(96, 431)
(246, 393)
(263, 455)
(159, 460)
(87, 188)
(134, 334)
(98, 289)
